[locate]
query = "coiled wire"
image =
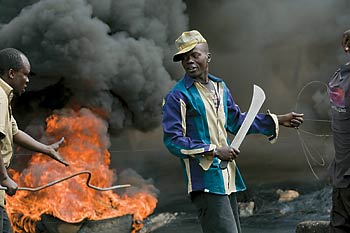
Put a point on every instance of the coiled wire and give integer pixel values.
(69, 177)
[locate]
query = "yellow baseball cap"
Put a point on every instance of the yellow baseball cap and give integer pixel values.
(186, 42)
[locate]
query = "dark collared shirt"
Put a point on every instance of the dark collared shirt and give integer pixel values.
(339, 92)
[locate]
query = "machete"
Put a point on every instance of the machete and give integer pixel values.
(257, 101)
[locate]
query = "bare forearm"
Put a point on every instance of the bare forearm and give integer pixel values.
(3, 171)
(23, 139)
(5, 180)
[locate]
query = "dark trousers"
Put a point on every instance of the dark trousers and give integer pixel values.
(340, 214)
(217, 213)
(5, 224)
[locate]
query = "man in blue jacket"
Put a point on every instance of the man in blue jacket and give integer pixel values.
(198, 114)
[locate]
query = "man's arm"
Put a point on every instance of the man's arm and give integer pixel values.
(23, 139)
(5, 180)
(174, 129)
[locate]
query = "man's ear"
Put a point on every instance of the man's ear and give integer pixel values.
(209, 57)
(11, 73)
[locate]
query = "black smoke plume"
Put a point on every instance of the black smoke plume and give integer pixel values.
(109, 56)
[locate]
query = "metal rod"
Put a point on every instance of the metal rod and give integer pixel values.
(69, 177)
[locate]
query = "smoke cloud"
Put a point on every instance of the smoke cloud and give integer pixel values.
(111, 55)
(115, 57)
(279, 45)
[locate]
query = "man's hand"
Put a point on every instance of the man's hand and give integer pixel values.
(10, 185)
(53, 153)
(226, 153)
(291, 119)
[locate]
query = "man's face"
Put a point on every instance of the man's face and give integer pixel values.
(195, 62)
(20, 78)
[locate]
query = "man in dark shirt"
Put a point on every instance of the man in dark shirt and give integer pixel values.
(339, 93)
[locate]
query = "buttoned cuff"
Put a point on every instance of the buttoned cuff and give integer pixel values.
(205, 161)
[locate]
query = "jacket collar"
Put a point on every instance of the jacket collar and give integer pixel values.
(189, 81)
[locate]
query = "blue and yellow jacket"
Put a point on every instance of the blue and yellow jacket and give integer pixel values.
(192, 125)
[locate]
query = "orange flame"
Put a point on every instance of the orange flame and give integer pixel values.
(85, 148)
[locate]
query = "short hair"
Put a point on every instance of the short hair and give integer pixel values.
(10, 58)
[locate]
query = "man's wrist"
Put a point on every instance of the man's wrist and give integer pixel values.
(4, 176)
